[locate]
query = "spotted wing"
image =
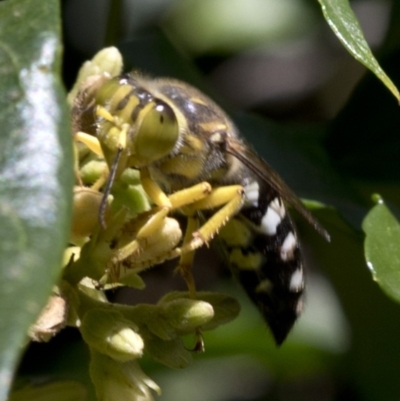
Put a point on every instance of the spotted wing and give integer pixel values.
(266, 173)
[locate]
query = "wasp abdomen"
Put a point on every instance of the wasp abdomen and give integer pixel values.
(264, 255)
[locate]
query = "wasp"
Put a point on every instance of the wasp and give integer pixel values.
(191, 159)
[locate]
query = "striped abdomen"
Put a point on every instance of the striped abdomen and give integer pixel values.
(263, 253)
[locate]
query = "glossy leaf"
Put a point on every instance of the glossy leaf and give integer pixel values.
(382, 248)
(345, 26)
(35, 169)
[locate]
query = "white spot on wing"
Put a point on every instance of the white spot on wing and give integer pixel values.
(279, 207)
(270, 222)
(252, 193)
(288, 247)
(296, 281)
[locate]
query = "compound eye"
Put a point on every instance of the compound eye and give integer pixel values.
(157, 133)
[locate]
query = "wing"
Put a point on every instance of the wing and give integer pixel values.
(265, 172)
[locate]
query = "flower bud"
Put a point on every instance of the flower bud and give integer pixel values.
(225, 307)
(109, 333)
(120, 381)
(92, 171)
(185, 315)
(86, 204)
(106, 63)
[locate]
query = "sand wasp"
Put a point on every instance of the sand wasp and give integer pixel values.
(192, 160)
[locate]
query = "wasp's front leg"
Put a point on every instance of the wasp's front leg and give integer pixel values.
(115, 139)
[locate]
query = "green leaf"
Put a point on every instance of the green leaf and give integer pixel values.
(382, 248)
(35, 169)
(345, 26)
(170, 353)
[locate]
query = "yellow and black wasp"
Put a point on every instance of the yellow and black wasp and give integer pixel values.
(191, 159)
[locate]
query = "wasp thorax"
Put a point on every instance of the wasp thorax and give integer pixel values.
(157, 133)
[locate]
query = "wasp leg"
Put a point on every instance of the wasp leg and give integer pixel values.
(186, 260)
(153, 190)
(118, 131)
(90, 141)
(165, 204)
(193, 199)
(157, 248)
(176, 200)
(94, 145)
(231, 199)
(149, 228)
(185, 269)
(76, 166)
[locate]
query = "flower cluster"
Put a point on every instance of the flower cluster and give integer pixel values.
(119, 335)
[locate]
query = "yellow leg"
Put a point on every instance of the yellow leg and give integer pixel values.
(97, 185)
(152, 225)
(153, 190)
(230, 198)
(186, 260)
(165, 205)
(94, 145)
(191, 200)
(90, 141)
(117, 136)
(176, 200)
(157, 220)
(101, 111)
(190, 195)
(185, 269)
